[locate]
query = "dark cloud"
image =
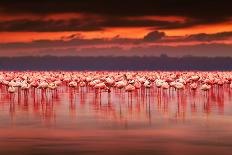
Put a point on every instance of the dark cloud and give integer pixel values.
(209, 37)
(154, 36)
(47, 25)
(72, 36)
(76, 40)
(114, 13)
(190, 8)
(27, 25)
(120, 22)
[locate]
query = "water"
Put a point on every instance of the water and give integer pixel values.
(151, 121)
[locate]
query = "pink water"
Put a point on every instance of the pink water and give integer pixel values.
(78, 121)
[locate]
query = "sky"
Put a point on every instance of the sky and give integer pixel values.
(115, 28)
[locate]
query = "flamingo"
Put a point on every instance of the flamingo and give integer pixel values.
(109, 81)
(205, 87)
(11, 89)
(119, 80)
(72, 84)
(231, 85)
(100, 86)
(179, 85)
(159, 83)
(25, 86)
(12, 83)
(52, 86)
(137, 85)
(220, 82)
(193, 86)
(120, 84)
(82, 84)
(129, 88)
(43, 85)
(165, 85)
(35, 83)
(58, 82)
(147, 84)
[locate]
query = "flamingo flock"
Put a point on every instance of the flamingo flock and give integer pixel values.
(104, 81)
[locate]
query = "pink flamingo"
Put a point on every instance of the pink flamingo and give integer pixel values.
(193, 86)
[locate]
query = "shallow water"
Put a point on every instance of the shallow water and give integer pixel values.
(151, 121)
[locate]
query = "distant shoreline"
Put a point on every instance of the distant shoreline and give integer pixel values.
(115, 63)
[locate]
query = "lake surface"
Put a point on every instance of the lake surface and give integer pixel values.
(151, 121)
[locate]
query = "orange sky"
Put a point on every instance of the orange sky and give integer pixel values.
(110, 26)
(112, 32)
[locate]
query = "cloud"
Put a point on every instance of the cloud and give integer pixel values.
(64, 42)
(48, 25)
(41, 25)
(209, 50)
(154, 36)
(72, 36)
(154, 43)
(112, 13)
(209, 37)
(190, 8)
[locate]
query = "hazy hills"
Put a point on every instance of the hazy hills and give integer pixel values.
(115, 63)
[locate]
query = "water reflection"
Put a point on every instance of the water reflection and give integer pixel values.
(147, 121)
(142, 106)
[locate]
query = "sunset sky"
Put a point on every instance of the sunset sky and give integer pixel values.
(115, 28)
